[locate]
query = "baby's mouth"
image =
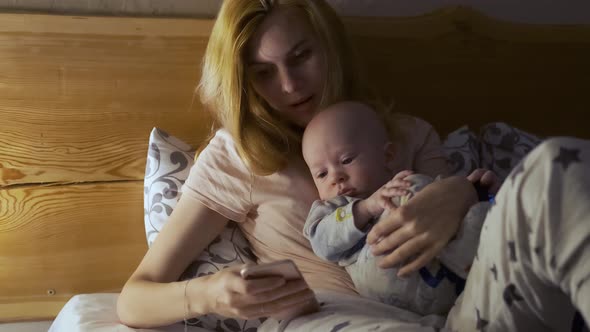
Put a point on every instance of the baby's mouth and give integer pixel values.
(346, 192)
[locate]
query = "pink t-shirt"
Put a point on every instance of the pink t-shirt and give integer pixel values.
(271, 210)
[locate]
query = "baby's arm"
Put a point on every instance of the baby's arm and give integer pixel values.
(331, 229)
(381, 199)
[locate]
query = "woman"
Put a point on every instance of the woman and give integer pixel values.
(268, 68)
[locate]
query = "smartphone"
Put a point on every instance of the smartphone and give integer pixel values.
(284, 268)
(288, 270)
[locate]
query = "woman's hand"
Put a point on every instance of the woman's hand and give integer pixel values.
(487, 178)
(232, 296)
(415, 233)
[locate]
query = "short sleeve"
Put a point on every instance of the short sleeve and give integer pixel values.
(424, 144)
(220, 180)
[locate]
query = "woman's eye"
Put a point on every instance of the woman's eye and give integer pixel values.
(263, 74)
(260, 74)
(301, 56)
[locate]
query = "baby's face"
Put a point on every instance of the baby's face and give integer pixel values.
(345, 163)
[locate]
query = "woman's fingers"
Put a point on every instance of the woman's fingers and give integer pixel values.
(234, 296)
(289, 288)
(393, 240)
(476, 175)
(413, 254)
(271, 303)
(403, 174)
(413, 265)
(397, 183)
(490, 179)
(388, 223)
(394, 191)
(260, 285)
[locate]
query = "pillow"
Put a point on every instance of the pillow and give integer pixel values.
(503, 146)
(462, 150)
(168, 165)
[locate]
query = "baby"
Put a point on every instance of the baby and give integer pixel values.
(349, 154)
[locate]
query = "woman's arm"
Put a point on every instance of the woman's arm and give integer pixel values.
(152, 296)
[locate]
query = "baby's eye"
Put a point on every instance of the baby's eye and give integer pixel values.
(322, 175)
(347, 160)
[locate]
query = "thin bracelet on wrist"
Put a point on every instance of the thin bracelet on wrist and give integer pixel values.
(186, 305)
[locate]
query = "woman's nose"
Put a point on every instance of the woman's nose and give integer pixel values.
(288, 82)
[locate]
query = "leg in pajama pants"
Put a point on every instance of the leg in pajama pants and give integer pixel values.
(533, 263)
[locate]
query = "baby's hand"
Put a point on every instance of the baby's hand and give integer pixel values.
(381, 199)
(487, 178)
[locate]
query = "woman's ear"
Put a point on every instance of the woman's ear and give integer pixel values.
(389, 150)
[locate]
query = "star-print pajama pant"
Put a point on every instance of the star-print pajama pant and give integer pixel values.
(533, 262)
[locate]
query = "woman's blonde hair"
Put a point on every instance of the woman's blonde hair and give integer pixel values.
(265, 141)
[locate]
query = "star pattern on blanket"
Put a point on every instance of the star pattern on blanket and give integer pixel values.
(340, 326)
(566, 157)
(512, 251)
(494, 272)
(481, 323)
(511, 295)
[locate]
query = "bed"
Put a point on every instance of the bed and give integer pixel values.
(79, 97)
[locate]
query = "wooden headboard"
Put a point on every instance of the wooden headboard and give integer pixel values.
(79, 96)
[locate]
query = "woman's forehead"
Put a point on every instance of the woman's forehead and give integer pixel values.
(281, 32)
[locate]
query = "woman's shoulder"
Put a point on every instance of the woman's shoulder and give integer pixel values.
(412, 129)
(220, 143)
(408, 122)
(221, 151)
(421, 144)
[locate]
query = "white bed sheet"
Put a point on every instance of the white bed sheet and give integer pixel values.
(97, 313)
(40, 326)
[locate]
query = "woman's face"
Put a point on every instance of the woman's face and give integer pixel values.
(285, 65)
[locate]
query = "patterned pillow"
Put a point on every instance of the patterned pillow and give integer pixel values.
(503, 146)
(462, 150)
(167, 167)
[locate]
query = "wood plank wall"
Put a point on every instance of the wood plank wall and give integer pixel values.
(79, 96)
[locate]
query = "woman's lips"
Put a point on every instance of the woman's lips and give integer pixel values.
(303, 102)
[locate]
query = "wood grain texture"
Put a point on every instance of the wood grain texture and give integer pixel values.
(79, 107)
(456, 66)
(67, 239)
(77, 104)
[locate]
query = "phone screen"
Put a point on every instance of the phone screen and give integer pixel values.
(284, 268)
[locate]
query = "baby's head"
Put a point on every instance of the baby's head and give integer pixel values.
(347, 150)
